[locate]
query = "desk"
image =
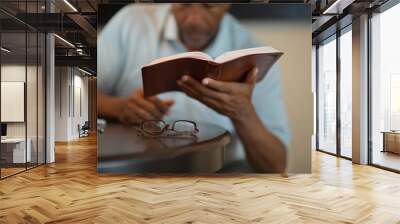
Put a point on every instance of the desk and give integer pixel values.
(13, 150)
(391, 141)
(121, 150)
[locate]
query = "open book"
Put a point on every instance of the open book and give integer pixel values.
(162, 74)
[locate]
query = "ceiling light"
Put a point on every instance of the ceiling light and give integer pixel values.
(84, 71)
(79, 51)
(337, 7)
(65, 41)
(70, 5)
(5, 50)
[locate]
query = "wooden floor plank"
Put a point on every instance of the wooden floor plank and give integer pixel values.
(71, 191)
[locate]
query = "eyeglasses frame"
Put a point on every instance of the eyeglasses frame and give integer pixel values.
(166, 127)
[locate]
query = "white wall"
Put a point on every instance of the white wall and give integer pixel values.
(71, 93)
(294, 39)
(62, 81)
(12, 101)
(80, 112)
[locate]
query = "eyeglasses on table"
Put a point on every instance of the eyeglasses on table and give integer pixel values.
(160, 128)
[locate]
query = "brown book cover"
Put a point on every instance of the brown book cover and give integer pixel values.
(162, 74)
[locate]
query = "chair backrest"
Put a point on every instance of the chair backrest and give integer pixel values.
(86, 125)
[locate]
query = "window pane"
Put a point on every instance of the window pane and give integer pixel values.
(386, 88)
(327, 96)
(345, 94)
(314, 90)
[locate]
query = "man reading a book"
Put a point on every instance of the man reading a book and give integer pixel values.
(253, 113)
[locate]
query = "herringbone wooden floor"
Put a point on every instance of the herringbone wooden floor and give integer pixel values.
(70, 191)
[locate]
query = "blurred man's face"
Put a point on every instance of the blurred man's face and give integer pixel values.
(198, 23)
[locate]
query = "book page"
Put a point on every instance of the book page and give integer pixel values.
(192, 54)
(243, 52)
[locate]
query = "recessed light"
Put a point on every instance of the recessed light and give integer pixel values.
(65, 41)
(5, 50)
(70, 5)
(84, 71)
(337, 7)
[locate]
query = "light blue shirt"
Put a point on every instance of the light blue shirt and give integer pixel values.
(138, 34)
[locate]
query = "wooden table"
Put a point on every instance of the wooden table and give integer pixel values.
(391, 141)
(121, 150)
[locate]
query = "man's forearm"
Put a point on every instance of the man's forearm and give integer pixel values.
(264, 150)
(109, 106)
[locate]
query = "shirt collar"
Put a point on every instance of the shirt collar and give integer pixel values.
(171, 28)
(219, 45)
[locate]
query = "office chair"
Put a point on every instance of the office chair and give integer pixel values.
(84, 130)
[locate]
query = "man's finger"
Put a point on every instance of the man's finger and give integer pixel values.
(205, 100)
(144, 115)
(220, 86)
(139, 100)
(212, 103)
(162, 105)
(150, 107)
(130, 116)
(251, 77)
(202, 90)
(209, 101)
(141, 114)
(127, 117)
(189, 90)
(230, 87)
(166, 104)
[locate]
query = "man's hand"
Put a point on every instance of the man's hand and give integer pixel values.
(231, 99)
(136, 108)
(264, 150)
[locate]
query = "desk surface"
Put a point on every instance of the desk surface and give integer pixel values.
(122, 150)
(13, 140)
(390, 132)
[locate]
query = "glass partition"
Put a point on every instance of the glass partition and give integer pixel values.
(346, 93)
(326, 137)
(23, 91)
(14, 152)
